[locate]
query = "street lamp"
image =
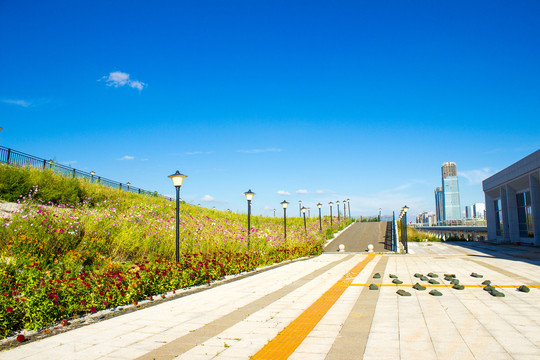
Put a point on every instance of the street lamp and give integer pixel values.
(337, 205)
(331, 219)
(92, 173)
(249, 195)
(379, 214)
(300, 207)
(128, 185)
(177, 180)
(349, 206)
(303, 209)
(344, 212)
(284, 203)
(274, 212)
(404, 241)
(319, 205)
(309, 212)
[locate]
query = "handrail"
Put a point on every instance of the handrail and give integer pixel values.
(13, 157)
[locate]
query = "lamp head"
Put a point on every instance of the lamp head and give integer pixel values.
(303, 210)
(405, 208)
(177, 178)
(249, 194)
(319, 205)
(284, 203)
(330, 203)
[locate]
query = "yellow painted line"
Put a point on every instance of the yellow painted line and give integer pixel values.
(284, 344)
(450, 285)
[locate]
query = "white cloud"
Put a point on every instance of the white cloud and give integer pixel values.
(283, 192)
(118, 79)
(126, 157)
(197, 152)
(302, 191)
(476, 177)
(69, 162)
(268, 208)
(22, 103)
(207, 198)
(257, 151)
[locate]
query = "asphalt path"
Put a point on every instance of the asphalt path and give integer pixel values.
(357, 238)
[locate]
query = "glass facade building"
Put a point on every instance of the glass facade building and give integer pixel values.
(439, 205)
(450, 187)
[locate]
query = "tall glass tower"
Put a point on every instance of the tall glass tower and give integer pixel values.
(439, 205)
(452, 208)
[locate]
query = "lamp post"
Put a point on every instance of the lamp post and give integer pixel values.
(249, 195)
(309, 212)
(344, 213)
(319, 205)
(404, 232)
(128, 185)
(274, 212)
(379, 214)
(337, 205)
(300, 207)
(349, 206)
(284, 204)
(92, 173)
(177, 180)
(331, 219)
(303, 209)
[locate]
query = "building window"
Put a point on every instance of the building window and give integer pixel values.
(498, 217)
(524, 210)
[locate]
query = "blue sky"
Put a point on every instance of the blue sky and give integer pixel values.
(320, 100)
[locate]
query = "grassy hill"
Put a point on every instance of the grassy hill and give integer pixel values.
(75, 247)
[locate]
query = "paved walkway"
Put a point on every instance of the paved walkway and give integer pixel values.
(359, 235)
(322, 308)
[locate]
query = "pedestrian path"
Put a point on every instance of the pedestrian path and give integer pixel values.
(323, 308)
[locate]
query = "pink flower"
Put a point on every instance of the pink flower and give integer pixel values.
(9, 309)
(93, 309)
(20, 338)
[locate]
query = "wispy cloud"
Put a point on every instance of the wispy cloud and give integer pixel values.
(325, 191)
(258, 151)
(69, 162)
(283, 192)
(119, 79)
(22, 103)
(268, 208)
(198, 152)
(126, 157)
(208, 198)
(476, 177)
(302, 191)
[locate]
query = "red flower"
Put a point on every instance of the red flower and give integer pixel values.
(105, 302)
(83, 302)
(9, 309)
(64, 322)
(20, 338)
(93, 309)
(5, 294)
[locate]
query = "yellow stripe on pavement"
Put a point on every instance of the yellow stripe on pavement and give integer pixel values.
(284, 344)
(450, 285)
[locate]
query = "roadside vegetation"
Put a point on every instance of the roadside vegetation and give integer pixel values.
(74, 247)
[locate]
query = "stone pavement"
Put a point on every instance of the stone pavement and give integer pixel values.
(359, 235)
(322, 308)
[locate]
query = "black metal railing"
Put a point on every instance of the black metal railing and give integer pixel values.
(17, 158)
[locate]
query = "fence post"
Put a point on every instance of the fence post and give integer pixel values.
(8, 155)
(120, 186)
(73, 172)
(44, 163)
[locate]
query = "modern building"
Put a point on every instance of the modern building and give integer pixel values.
(439, 205)
(450, 187)
(479, 210)
(468, 212)
(513, 202)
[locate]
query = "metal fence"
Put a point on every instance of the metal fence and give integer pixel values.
(17, 158)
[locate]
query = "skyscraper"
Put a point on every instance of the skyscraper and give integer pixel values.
(439, 205)
(452, 208)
